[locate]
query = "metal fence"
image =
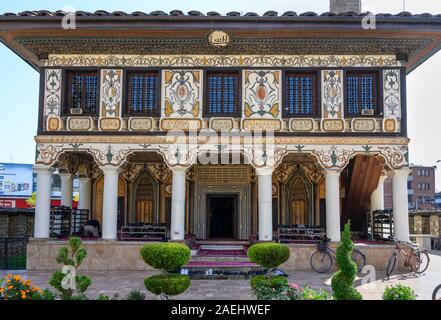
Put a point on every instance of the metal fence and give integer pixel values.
(13, 253)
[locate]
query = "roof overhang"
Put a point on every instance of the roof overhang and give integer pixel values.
(35, 35)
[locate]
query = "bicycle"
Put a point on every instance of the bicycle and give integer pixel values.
(436, 295)
(417, 260)
(322, 260)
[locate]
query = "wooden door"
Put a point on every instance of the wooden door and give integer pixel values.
(299, 213)
(144, 201)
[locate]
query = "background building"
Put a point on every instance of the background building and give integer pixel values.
(438, 200)
(18, 182)
(421, 189)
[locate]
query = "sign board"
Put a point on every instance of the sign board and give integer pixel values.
(10, 204)
(16, 180)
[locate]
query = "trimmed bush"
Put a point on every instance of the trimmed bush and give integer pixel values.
(399, 292)
(268, 255)
(342, 281)
(165, 256)
(170, 285)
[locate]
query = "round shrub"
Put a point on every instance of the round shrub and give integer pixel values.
(165, 256)
(399, 292)
(268, 255)
(170, 285)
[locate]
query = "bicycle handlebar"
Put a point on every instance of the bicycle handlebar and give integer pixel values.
(405, 242)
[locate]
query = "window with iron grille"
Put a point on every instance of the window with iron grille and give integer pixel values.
(143, 93)
(83, 91)
(361, 93)
(300, 94)
(222, 94)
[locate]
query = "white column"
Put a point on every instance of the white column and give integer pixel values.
(85, 191)
(400, 205)
(66, 189)
(110, 202)
(43, 201)
(377, 196)
(177, 226)
(333, 205)
(265, 200)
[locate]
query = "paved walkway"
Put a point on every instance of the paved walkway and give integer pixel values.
(123, 282)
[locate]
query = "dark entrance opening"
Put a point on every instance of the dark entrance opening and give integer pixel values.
(221, 211)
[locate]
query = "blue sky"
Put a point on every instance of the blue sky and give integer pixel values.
(19, 82)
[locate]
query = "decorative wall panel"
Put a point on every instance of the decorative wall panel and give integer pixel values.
(390, 125)
(140, 124)
(333, 125)
(262, 124)
(304, 125)
(332, 94)
(181, 124)
(110, 124)
(392, 94)
(331, 153)
(182, 93)
(363, 125)
(52, 98)
(53, 123)
(220, 124)
(261, 94)
(110, 97)
(79, 123)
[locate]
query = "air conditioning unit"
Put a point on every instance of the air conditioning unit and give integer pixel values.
(367, 112)
(76, 111)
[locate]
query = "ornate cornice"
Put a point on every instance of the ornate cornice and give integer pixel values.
(72, 60)
(167, 140)
(248, 45)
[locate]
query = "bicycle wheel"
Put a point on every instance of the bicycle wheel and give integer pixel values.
(436, 295)
(391, 265)
(422, 262)
(321, 261)
(359, 259)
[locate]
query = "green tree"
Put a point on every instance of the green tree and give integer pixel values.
(32, 200)
(342, 281)
(73, 256)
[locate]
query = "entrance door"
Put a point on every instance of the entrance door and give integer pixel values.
(221, 211)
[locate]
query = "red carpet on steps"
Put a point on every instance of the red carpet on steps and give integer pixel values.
(221, 253)
(220, 264)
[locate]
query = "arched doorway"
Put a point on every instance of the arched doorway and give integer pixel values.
(144, 201)
(299, 198)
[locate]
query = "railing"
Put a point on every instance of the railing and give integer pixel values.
(300, 233)
(65, 221)
(13, 253)
(151, 232)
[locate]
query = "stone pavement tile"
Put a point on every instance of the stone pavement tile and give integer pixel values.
(124, 282)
